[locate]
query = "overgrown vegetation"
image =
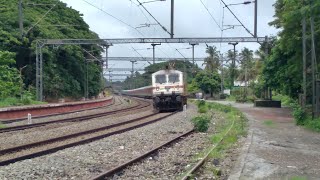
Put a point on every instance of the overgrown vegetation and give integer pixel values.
(302, 118)
(201, 123)
(285, 100)
(2, 125)
(227, 129)
(65, 67)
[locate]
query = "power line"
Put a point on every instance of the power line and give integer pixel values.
(165, 29)
(112, 16)
(181, 54)
(149, 22)
(210, 14)
(42, 17)
(237, 18)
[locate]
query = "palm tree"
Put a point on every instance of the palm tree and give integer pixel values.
(212, 62)
(231, 56)
(247, 67)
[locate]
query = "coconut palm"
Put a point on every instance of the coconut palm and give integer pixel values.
(212, 61)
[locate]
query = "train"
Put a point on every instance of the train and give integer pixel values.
(168, 90)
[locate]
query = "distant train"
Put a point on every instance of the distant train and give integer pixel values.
(168, 90)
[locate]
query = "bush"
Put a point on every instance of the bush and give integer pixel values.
(201, 123)
(2, 125)
(201, 103)
(223, 96)
(299, 114)
(241, 99)
(10, 101)
(27, 98)
(202, 109)
(251, 98)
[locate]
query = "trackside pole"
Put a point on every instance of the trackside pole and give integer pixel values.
(185, 110)
(29, 118)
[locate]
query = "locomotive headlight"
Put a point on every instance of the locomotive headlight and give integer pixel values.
(157, 88)
(178, 98)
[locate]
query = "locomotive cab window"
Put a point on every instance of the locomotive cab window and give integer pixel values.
(173, 78)
(161, 78)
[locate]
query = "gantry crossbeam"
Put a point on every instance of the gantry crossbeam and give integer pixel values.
(146, 59)
(153, 40)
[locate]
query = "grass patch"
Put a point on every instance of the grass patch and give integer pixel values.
(269, 123)
(298, 178)
(303, 118)
(201, 123)
(285, 100)
(231, 98)
(203, 109)
(2, 125)
(12, 101)
(312, 124)
(228, 130)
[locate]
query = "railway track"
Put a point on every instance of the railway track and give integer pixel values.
(121, 167)
(48, 146)
(140, 105)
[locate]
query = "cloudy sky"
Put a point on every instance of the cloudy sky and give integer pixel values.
(191, 20)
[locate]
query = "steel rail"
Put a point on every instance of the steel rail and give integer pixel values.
(81, 142)
(72, 119)
(126, 164)
(202, 161)
(52, 140)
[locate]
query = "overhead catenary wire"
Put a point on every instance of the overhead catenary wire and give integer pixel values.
(164, 28)
(225, 5)
(142, 12)
(113, 16)
(210, 14)
(39, 20)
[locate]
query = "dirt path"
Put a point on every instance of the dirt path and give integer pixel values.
(275, 148)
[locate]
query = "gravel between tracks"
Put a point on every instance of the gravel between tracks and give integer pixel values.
(83, 162)
(115, 106)
(13, 139)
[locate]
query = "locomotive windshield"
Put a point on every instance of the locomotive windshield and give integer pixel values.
(173, 78)
(161, 78)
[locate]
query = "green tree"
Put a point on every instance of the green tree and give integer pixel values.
(247, 65)
(209, 82)
(10, 81)
(282, 70)
(212, 62)
(64, 66)
(233, 71)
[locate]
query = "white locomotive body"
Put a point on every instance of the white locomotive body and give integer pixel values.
(168, 91)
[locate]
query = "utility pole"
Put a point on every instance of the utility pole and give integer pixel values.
(107, 55)
(110, 78)
(172, 17)
(255, 18)
(304, 84)
(132, 71)
(20, 18)
(315, 100)
(193, 44)
(233, 64)
(153, 49)
(222, 75)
